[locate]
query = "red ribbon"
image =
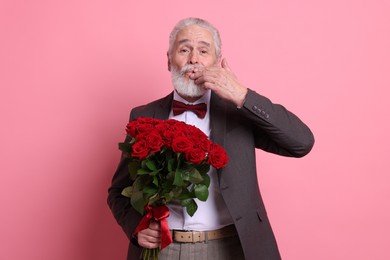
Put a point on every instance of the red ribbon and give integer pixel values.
(157, 213)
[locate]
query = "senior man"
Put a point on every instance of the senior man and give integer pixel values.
(232, 223)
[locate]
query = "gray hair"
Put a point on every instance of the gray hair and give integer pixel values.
(200, 22)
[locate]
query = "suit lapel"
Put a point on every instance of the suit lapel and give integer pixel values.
(164, 108)
(218, 123)
(217, 119)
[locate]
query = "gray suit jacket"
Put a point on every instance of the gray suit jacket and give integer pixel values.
(258, 124)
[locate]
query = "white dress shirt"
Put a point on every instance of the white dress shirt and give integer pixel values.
(213, 213)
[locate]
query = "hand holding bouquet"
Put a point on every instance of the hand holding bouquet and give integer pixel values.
(169, 161)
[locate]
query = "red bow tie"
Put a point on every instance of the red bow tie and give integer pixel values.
(179, 108)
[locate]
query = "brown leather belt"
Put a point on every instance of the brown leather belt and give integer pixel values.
(189, 236)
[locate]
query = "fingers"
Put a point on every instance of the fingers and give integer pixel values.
(211, 75)
(222, 81)
(203, 78)
(225, 65)
(154, 225)
(150, 237)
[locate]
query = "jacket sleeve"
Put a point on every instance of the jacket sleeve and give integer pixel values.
(276, 129)
(121, 208)
(126, 216)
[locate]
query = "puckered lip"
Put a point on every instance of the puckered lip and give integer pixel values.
(188, 72)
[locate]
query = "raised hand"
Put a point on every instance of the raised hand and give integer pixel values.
(222, 81)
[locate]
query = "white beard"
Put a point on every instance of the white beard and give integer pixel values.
(184, 86)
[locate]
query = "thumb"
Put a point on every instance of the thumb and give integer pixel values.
(225, 65)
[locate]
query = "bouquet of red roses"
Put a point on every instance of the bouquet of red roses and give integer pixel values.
(169, 160)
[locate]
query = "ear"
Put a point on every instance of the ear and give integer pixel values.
(169, 62)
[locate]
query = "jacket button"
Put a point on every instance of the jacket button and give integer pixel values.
(254, 108)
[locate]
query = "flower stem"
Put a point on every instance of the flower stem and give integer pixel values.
(150, 254)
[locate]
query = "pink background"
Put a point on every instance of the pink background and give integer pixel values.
(70, 71)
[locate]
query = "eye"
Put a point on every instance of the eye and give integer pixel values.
(204, 51)
(185, 50)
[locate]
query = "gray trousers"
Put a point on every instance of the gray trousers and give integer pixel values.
(220, 249)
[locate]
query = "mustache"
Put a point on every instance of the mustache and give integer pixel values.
(187, 68)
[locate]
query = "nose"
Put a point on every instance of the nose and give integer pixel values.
(193, 59)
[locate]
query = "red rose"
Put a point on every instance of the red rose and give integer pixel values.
(161, 126)
(217, 156)
(141, 136)
(147, 120)
(172, 121)
(205, 144)
(181, 144)
(141, 125)
(144, 128)
(131, 128)
(202, 143)
(179, 126)
(192, 131)
(196, 156)
(167, 136)
(140, 149)
(154, 141)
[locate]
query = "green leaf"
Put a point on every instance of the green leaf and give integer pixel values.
(127, 192)
(195, 176)
(133, 167)
(140, 183)
(190, 206)
(155, 180)
(183, 194)
(185, 173)
(138, 202)
(143, 171)
(170, 175)
(168, 196)
(149, 190)
(206, 179)
(151, 165)
(178, 181)
(179, 160)
(125, 147)
(177, 191)
(203, 168)
(166, 185)
(171, 164)
(201, 192)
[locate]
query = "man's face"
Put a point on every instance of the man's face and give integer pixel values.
(193, 47)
